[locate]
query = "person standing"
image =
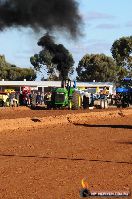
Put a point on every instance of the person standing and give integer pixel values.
(86, 100)
(11, 98)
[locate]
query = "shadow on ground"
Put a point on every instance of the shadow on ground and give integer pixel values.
(123, 142)
(105, 125)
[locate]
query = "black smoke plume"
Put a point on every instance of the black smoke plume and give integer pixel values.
(46, 14)
(62, 58)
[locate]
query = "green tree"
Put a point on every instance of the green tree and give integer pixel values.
(98, 67)
(43, 60)
(3, 62)
(55, 58)
(12, 73)
(122, 52)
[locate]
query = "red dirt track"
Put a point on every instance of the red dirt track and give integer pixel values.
(45, 154)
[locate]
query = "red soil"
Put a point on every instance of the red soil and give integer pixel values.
(45, 154)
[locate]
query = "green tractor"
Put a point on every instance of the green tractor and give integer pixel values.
(65, 97)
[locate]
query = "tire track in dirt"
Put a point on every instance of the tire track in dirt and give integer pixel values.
(65, 158)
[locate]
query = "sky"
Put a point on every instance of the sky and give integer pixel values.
(103, 22)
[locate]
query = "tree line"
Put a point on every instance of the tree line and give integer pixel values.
(58, 63)
(14, 73)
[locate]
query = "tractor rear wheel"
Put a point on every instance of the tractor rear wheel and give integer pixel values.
(76, 99)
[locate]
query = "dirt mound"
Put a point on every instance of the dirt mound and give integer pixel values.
(20, 123)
